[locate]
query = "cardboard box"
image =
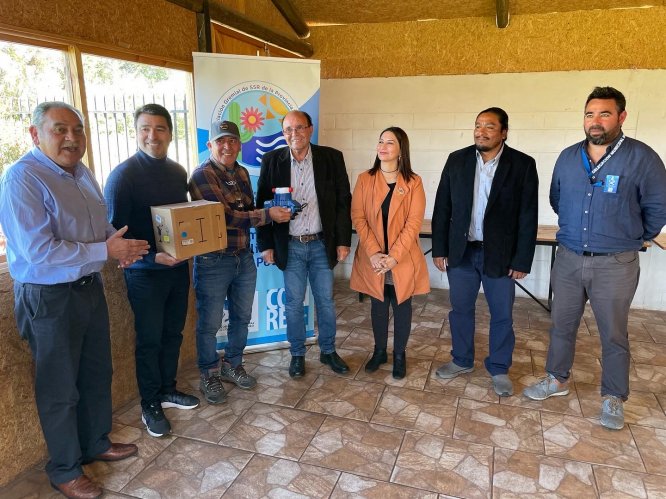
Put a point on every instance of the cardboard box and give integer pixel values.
(184, 230)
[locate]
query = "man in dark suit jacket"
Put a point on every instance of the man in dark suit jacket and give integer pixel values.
(484, 230)
(315, 241)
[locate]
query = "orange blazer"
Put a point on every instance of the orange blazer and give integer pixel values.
(410, 275)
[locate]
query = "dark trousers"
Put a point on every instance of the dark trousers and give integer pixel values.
(67, 327)
(464, 282)
(402, 320)
(159, 301)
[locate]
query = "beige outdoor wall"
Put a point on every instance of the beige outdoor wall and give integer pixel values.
(21, 441)
(593, 39)
(152, 27)
(545, 116)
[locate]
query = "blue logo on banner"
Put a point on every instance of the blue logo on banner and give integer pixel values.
(258, 109)
(257, 146)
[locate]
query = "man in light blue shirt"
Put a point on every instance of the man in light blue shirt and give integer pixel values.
(58, 239)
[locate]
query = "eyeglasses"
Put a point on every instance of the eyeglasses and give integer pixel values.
(298, 128)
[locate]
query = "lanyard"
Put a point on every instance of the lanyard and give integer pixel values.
(591, 172)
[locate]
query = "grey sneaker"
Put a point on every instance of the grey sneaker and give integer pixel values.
(548, 386)
(211, 387)
(451, 370)
(502, 385)
(237, 375)
(612, 413)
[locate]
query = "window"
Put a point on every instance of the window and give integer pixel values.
(111, 89)
(114, 89)
(28, 75)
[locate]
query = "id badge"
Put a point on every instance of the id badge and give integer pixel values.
(610, 185)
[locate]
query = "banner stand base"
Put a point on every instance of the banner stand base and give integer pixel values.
(278, 345)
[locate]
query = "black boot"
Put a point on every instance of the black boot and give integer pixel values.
(399, 365)
(378, 358)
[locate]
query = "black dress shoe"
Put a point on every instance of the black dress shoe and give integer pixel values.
(378, 358)
(399, 365)
(333, 359)
(297, 366)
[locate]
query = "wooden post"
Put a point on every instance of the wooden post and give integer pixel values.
(502, 18)
(78, 91)
(203, 29)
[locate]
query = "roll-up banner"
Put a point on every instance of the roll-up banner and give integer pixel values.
(256, 93)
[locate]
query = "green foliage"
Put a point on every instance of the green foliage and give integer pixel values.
(10, 152)
(98, 70)
(151, 74)
(105, 71)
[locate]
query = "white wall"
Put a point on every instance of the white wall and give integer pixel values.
(545, 116)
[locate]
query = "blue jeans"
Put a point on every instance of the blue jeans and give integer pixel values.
(216, 277)
(464, 282)
(309, 261)
(159, 302)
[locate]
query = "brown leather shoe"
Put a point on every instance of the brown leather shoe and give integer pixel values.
(117, 452)
(79, 488)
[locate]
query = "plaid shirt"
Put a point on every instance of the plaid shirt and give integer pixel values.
(233, 189)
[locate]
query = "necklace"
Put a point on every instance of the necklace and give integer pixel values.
(388, 171)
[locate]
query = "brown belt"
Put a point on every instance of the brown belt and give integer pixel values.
(306, 238)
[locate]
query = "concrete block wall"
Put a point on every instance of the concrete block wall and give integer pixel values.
(545, 116)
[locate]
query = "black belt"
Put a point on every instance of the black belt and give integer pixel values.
(475, 244)
(81, 282)
(306, 238)
(595, 253)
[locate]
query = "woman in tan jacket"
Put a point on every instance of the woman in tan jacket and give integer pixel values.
(387, 211)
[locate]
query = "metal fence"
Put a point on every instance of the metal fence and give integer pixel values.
(113, 138)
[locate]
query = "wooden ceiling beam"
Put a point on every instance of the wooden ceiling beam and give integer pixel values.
(502, 17)
(292, 17)
(222, 15)
(204, 35)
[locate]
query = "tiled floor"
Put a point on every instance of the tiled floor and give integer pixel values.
(368, 435)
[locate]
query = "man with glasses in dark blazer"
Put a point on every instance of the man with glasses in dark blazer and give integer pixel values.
(315, 241)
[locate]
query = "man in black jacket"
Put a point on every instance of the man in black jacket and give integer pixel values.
(315, 241)
(484, 231)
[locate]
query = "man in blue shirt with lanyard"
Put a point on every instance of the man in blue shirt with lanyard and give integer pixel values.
(58, 239)
(609, 192)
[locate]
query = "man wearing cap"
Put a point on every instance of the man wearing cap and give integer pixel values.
(158, 286)
(315, 241)
(230, 273)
